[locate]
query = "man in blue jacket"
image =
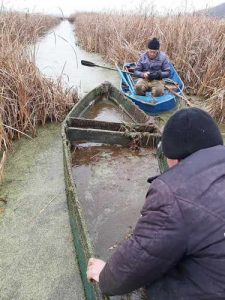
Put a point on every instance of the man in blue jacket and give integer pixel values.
(152, 66)
(177, 250)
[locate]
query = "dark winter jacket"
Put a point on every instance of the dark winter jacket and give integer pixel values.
(178, 247)
(145, 64)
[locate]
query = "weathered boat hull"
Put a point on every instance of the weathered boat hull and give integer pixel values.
(77, 129)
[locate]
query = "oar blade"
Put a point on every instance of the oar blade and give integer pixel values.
(87, 63)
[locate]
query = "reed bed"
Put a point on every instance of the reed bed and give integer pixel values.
(26, 97)
(195, 44)
(23, 28)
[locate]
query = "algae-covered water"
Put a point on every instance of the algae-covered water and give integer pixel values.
(37, 259)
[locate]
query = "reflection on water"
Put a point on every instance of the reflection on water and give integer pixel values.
(58, 55)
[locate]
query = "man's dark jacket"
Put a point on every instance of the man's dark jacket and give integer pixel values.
(178, 246)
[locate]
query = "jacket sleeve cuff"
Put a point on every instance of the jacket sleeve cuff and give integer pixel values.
(165, 74)
(139, 74)
(105, 281)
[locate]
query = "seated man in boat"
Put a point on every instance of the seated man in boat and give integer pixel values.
(152, 66)
(177, 250)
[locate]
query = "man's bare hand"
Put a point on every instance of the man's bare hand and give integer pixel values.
(94, 268)
(145, 75)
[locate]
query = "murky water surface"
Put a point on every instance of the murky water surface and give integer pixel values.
(112, 183)
(58, 55)
(105, 110)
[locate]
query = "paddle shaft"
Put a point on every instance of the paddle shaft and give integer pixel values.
(179, 96)
(91, 64)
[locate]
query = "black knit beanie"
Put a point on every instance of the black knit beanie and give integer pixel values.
(154, 44)
(187, 131)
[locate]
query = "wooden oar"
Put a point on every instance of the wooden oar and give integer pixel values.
(179, 96)
(91, 64)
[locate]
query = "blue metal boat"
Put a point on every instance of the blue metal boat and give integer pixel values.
(153, 105)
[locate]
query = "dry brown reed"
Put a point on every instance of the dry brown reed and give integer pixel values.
(23, 28)
(26, 97)
(215, 105)
(195, 44)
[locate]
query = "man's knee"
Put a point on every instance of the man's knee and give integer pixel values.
(157, 91)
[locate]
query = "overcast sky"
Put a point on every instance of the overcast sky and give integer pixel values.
(70, 6)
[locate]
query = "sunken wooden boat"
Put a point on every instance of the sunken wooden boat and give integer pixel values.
(173, 89)
(140, 132)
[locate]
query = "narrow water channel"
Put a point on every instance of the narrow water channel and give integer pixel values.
(58, 54)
